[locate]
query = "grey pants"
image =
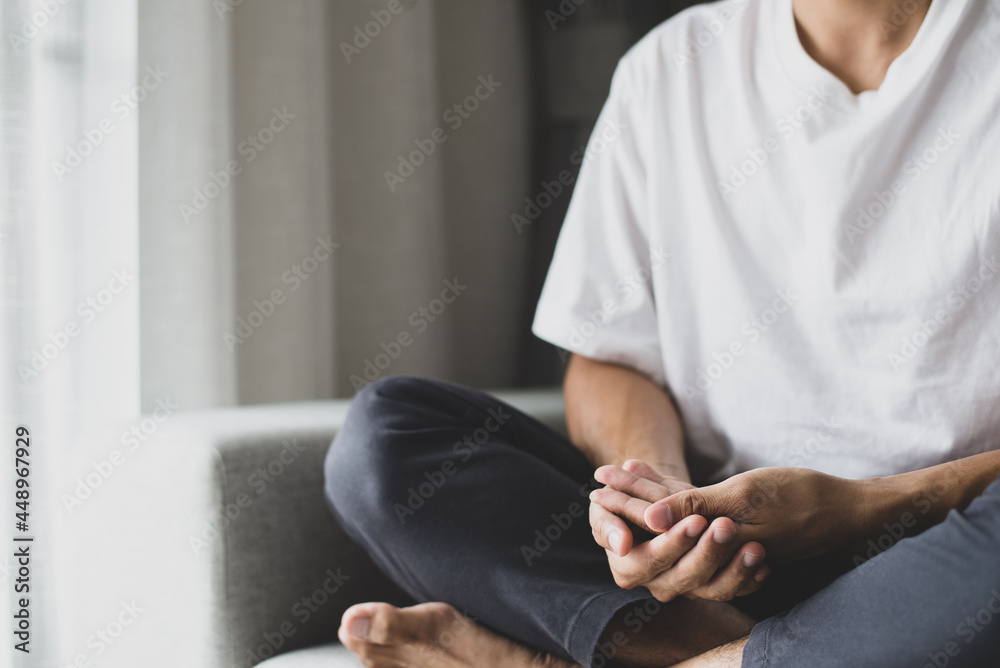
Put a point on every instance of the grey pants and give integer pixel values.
(925, 602)
(463, 499)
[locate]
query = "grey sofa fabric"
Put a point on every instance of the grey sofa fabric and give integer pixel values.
(288, 571)
(220, 532)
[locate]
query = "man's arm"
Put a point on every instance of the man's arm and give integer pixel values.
(920, 499)
(615, 414)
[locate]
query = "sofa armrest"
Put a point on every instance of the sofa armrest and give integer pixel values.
(221, 535)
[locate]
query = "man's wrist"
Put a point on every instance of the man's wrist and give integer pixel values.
(874, 505)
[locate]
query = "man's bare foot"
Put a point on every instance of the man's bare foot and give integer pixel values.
(431, 635)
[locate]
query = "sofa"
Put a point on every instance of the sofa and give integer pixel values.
(220, 534)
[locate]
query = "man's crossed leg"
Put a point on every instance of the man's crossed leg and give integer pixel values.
(472, 506)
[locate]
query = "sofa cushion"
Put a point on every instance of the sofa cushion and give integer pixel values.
(321, 656)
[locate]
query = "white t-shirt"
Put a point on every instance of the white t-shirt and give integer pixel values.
(814, 275)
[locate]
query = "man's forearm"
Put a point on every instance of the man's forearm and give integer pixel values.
(615, 414)
(921, 499)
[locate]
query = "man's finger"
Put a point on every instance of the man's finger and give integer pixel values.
(697, 566)
(663, 552)
(630, 483)
(610, 531)
(737, 577)
(757, 582)
(709, 502)
(623, 505)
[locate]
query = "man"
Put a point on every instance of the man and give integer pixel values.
(779, 280)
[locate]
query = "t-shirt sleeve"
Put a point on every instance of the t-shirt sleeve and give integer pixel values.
(597, 300)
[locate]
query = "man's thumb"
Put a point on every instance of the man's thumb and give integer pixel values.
(665, 513)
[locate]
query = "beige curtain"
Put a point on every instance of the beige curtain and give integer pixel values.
(451, 218)
(270, 145)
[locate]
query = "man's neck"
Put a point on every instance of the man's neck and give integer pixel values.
(857, 40)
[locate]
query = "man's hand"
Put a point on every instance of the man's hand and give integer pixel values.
(794, 512)
(686, 560)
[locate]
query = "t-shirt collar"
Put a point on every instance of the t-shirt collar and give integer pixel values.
(935, 34)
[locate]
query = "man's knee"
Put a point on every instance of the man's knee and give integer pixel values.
(371, 457)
